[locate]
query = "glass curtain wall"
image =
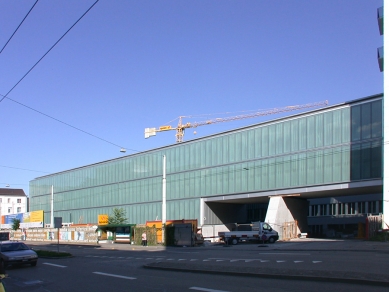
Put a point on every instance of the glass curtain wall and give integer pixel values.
(324, 147)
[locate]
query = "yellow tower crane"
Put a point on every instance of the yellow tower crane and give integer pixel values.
(181, 126)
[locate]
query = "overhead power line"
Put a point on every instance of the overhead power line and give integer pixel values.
(62, 122)
(4, 96)
(18, 168)
(19, 26)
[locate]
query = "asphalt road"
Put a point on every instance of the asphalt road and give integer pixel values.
(210, 268)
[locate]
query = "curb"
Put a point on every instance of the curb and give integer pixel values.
(158, 266)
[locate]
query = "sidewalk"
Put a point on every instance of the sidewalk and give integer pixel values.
(292, 245)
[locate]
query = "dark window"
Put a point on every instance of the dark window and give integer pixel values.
(361, 208)
(332, 209)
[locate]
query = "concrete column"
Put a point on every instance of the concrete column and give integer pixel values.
(287, 209)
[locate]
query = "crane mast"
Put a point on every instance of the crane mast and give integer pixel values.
(180, 129)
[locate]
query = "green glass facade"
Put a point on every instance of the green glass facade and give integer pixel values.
(333, 145)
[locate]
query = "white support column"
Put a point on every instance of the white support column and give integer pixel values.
(202, 218)
(163, 198)
(385, 114)
(52, 207)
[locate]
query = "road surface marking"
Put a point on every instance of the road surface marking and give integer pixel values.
(170, 259)
(33, 282)
(298, 262)
(294, 253)
(264, 261)
(192, 260)
(116, 276)
(182, 260)
(281, 261)
(315, 262)
(247, 261)
(231, 261)
(183, 252)
(220, 260)
(205, 289)
(54, 265)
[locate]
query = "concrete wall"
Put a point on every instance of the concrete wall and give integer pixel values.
(287, 209)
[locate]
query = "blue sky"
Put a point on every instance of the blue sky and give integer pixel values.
(130, 65)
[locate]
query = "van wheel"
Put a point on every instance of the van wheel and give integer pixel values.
(271, 240)
(234, 241)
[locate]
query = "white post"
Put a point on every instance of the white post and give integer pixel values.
(163, 198)
(52, 207)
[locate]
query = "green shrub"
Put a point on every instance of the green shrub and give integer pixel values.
(151, 233)
(380, 236)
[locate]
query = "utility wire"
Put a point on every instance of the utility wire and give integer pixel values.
(23, 169)
(19, 26)
(4, 96)
(78, 129)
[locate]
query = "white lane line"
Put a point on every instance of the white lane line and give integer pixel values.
(54, 265)
(294, 253)
(206, 289)
(281, 261)
(181, 259)
(264, 261)
(113, 275)
(192, 260)
(247, 261)
(231, 261)
(315, 262)
(33, 282)
(298, 262)
(183, 252)
(220, 260)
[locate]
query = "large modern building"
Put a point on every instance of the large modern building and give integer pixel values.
(323, 168)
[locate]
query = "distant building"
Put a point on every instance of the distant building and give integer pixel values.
(12, 201)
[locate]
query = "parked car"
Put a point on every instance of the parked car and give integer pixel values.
(17, 253)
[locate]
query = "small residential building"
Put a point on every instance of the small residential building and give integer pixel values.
(13, 201)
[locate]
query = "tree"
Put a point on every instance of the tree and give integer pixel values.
(118, 216)
(15, 224)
